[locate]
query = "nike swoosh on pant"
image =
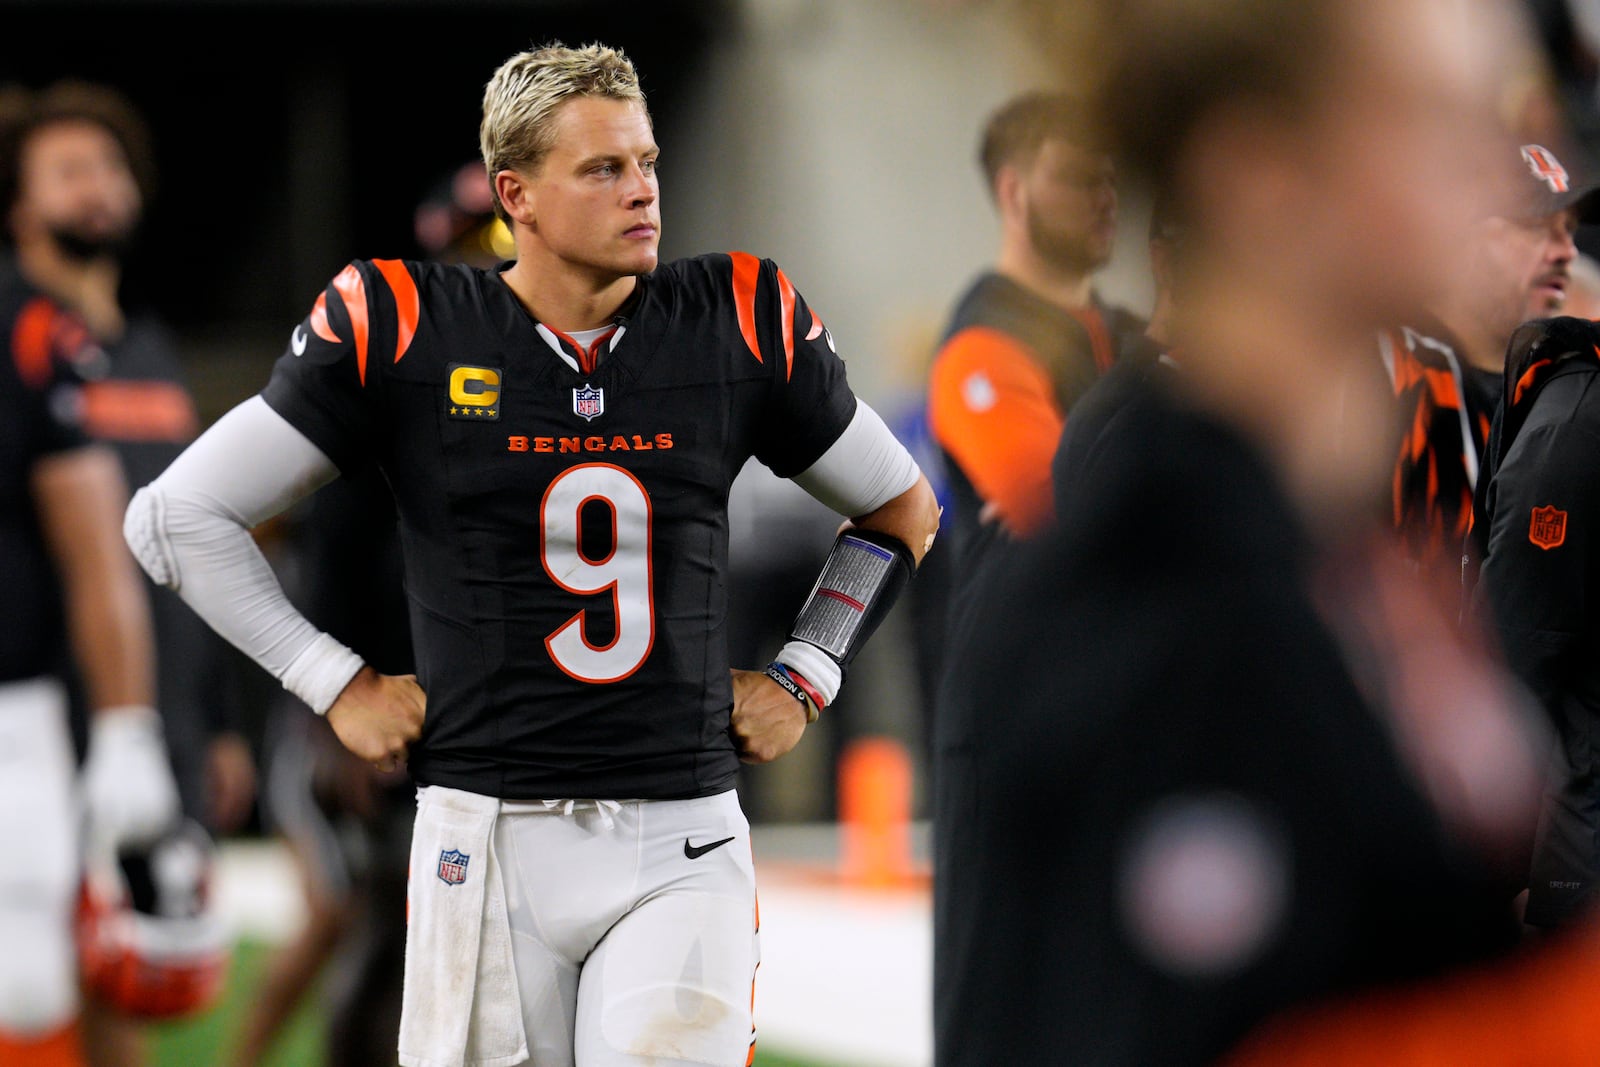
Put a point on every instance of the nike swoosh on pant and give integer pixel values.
(694, 852)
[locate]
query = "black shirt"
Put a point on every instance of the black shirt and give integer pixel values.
(1537, 582)
(1166, 809)
(40, 416)
(565, 532)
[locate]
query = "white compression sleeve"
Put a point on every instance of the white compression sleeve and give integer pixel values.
(190, 529)
(863, 470)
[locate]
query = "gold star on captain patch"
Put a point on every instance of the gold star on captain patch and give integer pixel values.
(490, 413)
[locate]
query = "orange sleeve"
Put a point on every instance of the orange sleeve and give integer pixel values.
(992, 407)
(1538, 1010)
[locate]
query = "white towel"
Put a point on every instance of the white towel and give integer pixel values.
(461, 1006)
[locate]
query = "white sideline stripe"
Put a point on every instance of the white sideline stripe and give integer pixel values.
(846, 975)
(258, 891)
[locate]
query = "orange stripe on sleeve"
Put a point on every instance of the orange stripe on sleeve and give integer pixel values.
(786, 302)
(1526, 381)
(992, 407)
(319, 320)
(816, 327)
(746, 269)
(353, 292)
(406, 301)
(139, 411)
(30, 341)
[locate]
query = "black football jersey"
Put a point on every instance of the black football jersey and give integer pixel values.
(40, 409)
(565, 531)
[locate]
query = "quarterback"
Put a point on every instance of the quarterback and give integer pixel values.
(560, 433)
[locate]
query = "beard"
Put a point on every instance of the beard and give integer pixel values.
(84, 246)
(1068, 252)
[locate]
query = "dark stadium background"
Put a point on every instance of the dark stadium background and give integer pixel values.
(291, 136)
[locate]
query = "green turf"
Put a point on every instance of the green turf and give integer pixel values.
(201, 1041)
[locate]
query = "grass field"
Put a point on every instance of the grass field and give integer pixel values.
(202, 1041)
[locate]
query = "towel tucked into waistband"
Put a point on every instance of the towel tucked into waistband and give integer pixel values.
(460, 1006)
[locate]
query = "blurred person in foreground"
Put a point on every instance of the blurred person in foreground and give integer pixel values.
(1217, 752)
(1156, 353)
(1445, 363)
(559, 434)
(77, 617)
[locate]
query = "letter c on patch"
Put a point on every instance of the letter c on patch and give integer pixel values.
(474, 387)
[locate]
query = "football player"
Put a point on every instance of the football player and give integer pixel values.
(76, 615)
(560, 432)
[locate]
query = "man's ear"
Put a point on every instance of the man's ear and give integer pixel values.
(516, 196)
(1010, 196)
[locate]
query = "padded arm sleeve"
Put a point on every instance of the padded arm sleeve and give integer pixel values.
(190, 530)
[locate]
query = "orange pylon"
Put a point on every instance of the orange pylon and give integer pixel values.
(875, 813)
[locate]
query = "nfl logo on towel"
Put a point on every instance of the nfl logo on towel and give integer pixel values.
(588, 401)
(453, 867)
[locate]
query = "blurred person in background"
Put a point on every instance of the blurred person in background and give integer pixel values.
(559, 435)
(1023, 342)
(1031, 333)
(1445, 364)
(1583, 292)
(78, 625)
(76, 173)
(1214, 751)
(76, 170)
(1531, 580)
(347, 823)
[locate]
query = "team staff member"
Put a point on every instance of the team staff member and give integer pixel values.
(1026, 340)
(1534, 584)
(1445, 366)
(560, 434)
(1031, 333)
(76, 609)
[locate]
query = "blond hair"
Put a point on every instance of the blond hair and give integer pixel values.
(521, 100)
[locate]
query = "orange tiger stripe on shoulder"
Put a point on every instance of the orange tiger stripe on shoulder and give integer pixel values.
(353, 294)
(746, 270)
(319, 320)
(407, 303)
(786, 302)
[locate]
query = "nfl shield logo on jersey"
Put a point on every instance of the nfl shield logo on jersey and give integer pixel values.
(588, 401)
(453, 866)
